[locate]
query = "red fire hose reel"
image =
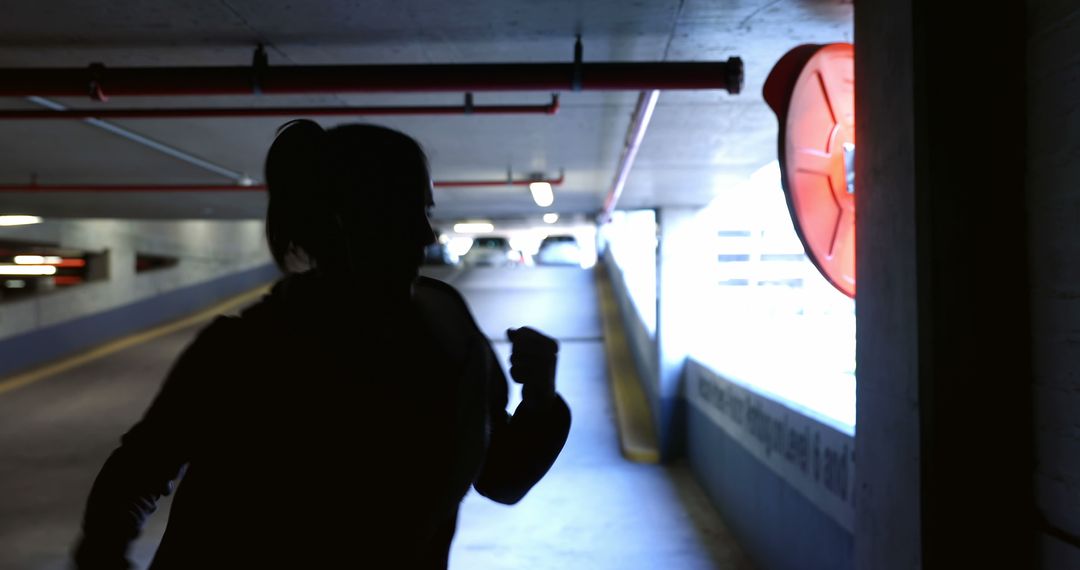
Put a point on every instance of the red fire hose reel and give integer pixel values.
(812, 91)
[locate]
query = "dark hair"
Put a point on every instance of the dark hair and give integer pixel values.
(332, 191)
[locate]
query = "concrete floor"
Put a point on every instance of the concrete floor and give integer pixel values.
(594, 509)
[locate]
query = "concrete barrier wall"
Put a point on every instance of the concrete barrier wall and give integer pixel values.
(642, 343)
(217, 259)
(782, 480)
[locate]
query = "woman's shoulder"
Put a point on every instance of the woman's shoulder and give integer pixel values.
(443, 304)
(439, 291)
(226, 331)
(217, 335)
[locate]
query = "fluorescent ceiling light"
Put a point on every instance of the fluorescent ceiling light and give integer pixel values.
(542, 194)
(27, 270)
(37, 259)
(551, 218)
(19, 220)
(474, 228)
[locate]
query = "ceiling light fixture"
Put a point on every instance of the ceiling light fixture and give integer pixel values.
(38, 260)
(27, 270)
(551, 218)
(19, 220)
(542, 194)
(474, 228)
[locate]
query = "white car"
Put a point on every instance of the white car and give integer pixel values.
(491, 252)
(559, 250)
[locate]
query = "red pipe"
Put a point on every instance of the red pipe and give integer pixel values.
(548, 109)
(506, 182)
(36, 188)
(635, 134)
(100, 82)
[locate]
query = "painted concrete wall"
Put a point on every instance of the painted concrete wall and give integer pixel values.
(642, 343)
(887, 507)
(206, 250)
(660, 358)
(1053, 207)
(944, 394)
(783, 481)
(216, 260)
(679, 259)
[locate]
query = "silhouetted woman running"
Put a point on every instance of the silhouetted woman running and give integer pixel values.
(338, 422)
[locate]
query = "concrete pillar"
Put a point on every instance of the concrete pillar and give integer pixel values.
(678, 290)
(887, 451)
(1053, 210)
(944, 424)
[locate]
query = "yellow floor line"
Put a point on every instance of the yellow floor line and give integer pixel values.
(637, 434)
(42, 372)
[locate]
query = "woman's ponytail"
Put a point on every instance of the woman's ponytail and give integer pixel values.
(296, 178)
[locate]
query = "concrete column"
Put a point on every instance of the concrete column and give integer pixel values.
(944, 424)
(678, 290)
(1053, 212)
(887, 513)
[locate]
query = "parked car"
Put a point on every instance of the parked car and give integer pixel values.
(492, 252)
(559, 250)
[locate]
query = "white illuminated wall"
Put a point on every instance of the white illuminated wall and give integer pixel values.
(631, 238)
(768, 318)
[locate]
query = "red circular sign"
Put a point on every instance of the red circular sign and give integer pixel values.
(812, 91)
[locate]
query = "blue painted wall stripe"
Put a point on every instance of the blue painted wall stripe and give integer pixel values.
(50, 343)
(777, 526)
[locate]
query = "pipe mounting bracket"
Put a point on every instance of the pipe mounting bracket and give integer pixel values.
(95, 90)
(259, 63)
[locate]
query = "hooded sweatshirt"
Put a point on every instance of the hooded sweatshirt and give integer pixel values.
(326, 426)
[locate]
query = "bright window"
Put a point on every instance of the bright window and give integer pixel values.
(774, 322)
(631, 238)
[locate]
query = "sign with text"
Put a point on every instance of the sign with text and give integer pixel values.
(813, 457)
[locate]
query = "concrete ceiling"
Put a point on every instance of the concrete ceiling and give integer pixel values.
(697, 142)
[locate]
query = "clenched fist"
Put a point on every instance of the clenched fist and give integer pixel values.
(532, 364)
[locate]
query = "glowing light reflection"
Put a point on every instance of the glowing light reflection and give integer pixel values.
(19, 220)
(542, 194)
(474, 228)
(27, 270)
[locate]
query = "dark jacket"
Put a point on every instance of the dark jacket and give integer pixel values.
(322, 428)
